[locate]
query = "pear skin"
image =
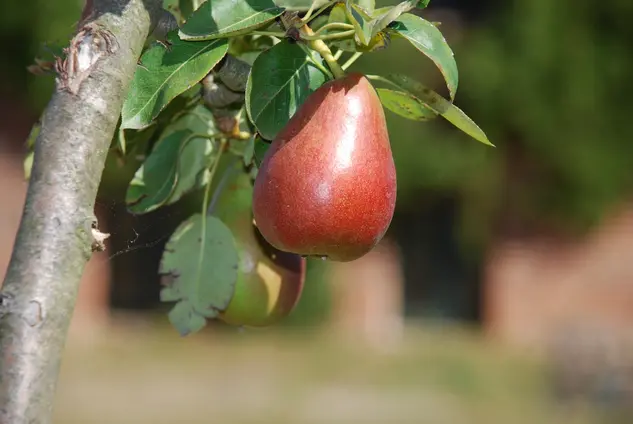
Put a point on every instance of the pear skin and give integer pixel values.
(327, 184)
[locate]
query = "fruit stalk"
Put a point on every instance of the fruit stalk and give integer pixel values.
(320, 47)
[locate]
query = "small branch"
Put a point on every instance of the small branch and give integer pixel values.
(334, 25)
(351, 60)
(334, 36)
(316, 62)
(58, 230)
(320, 47)
(277, 34)
(309, 17)
(290, 22)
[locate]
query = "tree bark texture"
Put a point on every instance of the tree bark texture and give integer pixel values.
(58, 229)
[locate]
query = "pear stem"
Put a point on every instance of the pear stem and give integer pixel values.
(277, 34)
(335, 36)
(310, 16)
(221, 186)
(320, 47)
(334, 25)
(316, 62)
(310, 10)
(351, 60)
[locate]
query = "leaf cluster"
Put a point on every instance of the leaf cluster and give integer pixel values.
(222, 84)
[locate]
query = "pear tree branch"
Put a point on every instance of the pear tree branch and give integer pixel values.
(58, 230)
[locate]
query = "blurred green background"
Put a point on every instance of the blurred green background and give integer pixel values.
(550, 84)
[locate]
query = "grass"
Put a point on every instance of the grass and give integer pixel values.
(148, 374)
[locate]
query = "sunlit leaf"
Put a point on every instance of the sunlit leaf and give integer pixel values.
(363, 23)
(299, 5)
(200, 264)
(441, 106)
(379, 40)
(405, 105)
(280, 81)
(367, 5)
(224, 18)
(429, 40)
(35, 131)
(27, 165)
(338, 14)
(164, 73)
(390, 14)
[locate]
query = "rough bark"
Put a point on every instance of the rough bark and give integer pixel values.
(58, 231)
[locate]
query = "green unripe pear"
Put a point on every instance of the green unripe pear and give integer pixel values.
(269, 282)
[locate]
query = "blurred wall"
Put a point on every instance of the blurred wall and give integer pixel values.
(539, 290)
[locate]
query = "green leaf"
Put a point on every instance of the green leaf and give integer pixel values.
(154, 181)
(363, 23)
(185, 319)
(196, 156)
(440, 105)
(249, 151)
(28, 164)
(200, 261)
(186, 8)
(198, 120)
(173, 168)
(225, 18)
(281, 79)
(405, 105)
(164, 74)
(429, 40)
(390, 14)
(260, 148)
(378, 41)
(121, 141)
(300, 5)
(338, 14)
(35, 131)
(367, 5)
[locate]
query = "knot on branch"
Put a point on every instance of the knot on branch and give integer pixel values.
(86, 48)
(98, 239)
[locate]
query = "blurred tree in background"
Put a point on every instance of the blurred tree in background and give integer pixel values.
(550, 80)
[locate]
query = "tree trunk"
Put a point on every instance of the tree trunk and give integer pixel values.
(58, 230)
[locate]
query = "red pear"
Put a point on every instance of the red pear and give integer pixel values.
(327, 184)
